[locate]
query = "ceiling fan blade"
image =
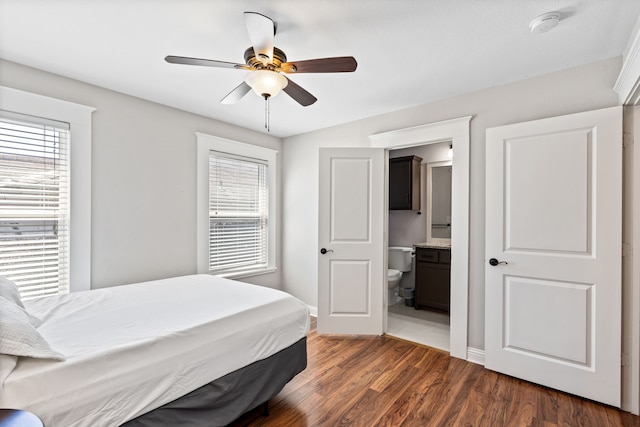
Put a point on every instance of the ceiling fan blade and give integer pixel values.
(261, 31)
(236, 94)
(300, 95)
(340, 64)
(203, 62)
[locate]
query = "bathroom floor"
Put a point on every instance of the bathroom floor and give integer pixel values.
(420, 326)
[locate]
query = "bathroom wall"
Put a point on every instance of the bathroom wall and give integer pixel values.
(407, 228)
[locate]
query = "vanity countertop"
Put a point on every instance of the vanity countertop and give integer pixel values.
(432, 246)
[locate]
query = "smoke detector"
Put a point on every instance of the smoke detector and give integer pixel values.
(544, 23)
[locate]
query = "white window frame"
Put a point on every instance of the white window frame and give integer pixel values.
(79, 118)
(205, 144)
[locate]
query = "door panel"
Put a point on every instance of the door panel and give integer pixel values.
(526, 299)
(350, 205)
(349, 287)
(352, 271)
(553, 215)
(550, 212)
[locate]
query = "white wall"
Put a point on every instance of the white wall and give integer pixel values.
(569, 91)
(143, 178)
(143, 171)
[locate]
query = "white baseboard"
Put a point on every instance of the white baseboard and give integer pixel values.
(475, 355)
(313, 310)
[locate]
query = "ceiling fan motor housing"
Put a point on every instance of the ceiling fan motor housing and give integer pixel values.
(279, 58)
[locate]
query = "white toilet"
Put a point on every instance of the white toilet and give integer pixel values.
(400, 260)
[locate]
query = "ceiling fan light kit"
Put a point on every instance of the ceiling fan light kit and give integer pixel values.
(268, 64)
(266, 83)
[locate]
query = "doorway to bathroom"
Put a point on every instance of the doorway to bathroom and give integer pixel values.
(458, 132)
(419, 244)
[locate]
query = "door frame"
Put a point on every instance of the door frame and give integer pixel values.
(628, 88)
(631, 259)
(457, 131)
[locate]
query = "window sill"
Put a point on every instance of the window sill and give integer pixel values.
(245, 273)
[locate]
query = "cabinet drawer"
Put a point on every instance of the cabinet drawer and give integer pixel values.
(444, 257)
(427, 255)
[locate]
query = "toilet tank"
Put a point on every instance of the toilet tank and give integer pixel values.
(400, 258)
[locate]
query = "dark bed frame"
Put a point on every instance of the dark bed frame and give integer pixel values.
(222, 401)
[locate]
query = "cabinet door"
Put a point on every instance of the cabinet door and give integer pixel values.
(399, 184)
(433, 290)
(433, 279)
(404, 183)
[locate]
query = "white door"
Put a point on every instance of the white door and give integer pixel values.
(553, 216)
(351, 261)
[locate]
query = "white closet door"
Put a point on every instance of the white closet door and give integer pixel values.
(553, 222)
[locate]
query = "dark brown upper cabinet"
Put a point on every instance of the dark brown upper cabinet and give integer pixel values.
(404, 183)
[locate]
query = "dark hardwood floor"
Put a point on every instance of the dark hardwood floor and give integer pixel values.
(383, 381)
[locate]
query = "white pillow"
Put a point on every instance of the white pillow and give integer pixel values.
(9, 290)
(18, 337)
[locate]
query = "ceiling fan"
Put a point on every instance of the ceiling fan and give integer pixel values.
(268, 65)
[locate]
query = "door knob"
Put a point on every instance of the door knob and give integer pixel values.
(495, 262)
(324, 251)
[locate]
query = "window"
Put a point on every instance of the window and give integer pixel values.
(238, 212)
(236, 208)
(34, 204)
(45, 193)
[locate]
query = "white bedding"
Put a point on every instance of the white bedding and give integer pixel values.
(130, 349)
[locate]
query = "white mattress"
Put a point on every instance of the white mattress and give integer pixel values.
(130, 349)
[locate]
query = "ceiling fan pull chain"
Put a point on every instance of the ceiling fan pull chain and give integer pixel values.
(267, 113)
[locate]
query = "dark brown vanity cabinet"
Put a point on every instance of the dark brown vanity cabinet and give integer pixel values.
(433, 279)
(404, 183)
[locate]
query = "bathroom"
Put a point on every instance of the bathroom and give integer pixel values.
(419, 240)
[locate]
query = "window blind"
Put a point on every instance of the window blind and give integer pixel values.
(34, 204)
(238, 213)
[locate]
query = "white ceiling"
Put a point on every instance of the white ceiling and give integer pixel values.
(409, 52)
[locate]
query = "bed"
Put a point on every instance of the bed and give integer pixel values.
(191, 350)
